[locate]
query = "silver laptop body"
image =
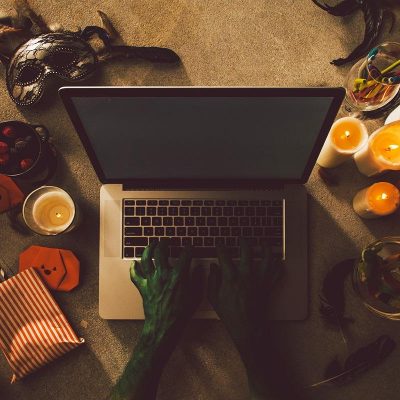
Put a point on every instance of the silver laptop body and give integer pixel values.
(220, 198)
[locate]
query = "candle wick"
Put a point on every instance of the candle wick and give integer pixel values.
(347, 134)
(391, 147)
(58, 215)
(384, 196)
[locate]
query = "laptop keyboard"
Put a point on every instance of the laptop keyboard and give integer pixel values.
(203, 224)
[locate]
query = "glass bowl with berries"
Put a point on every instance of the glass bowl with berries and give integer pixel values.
(24, 149)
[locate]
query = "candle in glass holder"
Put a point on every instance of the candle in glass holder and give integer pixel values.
(377, 200)
(382, 152)
(345, 138)
(49, 210)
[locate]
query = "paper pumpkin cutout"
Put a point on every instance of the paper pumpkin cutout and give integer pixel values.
(10, 194)
(59, 268)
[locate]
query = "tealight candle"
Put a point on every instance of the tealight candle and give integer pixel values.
(49, 210)
(382, 152)
(345, 138)
(377, 200)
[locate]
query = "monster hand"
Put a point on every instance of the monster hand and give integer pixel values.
(170, 297)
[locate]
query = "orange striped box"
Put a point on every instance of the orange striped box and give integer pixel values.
(33, 329)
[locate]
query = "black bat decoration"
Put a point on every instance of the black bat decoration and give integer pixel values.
(373, 11)
(332, 296)
(359, 362)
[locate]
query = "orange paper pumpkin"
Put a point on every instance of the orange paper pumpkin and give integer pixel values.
(10, 194)
(59, 268)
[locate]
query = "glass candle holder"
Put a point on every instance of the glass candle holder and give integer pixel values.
(49, 211)
(376, 277)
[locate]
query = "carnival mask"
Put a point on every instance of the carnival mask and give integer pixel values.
(71, 56)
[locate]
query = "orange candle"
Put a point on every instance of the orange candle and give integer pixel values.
(377, 200)
(345, 138)
(382, 152)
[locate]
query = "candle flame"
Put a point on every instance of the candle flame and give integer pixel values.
(384, 196)
(58, 215)
(392, 147)
(347, 134)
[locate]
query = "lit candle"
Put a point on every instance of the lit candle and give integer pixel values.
(49, 210)
(345, 138)
(377, 200)
(382, 152)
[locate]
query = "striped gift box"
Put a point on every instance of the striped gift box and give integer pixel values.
(33, 329)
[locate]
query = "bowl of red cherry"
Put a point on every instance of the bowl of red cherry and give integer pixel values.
(24, 149)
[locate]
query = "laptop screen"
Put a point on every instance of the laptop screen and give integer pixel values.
(207, 137)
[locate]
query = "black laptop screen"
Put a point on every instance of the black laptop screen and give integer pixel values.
(269, 138)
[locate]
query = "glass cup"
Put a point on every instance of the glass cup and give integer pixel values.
(49, 211)
(376, 277)
(373, 81)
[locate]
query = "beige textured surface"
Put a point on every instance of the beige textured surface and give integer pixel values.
(248, 42)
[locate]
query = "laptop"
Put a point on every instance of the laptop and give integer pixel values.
(202, 166)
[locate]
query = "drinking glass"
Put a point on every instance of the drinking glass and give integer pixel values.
(373, 81)
(376, 277)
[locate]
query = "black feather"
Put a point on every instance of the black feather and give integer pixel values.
(346, 7)
(332, 295)
(373, 17)
(360, 361)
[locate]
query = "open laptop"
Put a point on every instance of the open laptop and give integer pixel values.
(202, 166)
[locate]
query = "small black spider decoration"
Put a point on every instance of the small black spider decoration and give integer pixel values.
(373, 10)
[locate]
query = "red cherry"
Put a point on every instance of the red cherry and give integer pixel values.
(9, 131)
(4, 158)
(3, 148)
(26, 163)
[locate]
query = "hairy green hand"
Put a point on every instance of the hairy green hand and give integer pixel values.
(171, 294)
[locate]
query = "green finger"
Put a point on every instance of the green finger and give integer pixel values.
(246, 258)
(136, 276)
(147, 262)
(161, 254)
(225, 261)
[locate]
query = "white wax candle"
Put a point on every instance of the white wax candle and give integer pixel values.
(377, 200)
(345, 138)
(382, 152)
(53, 211)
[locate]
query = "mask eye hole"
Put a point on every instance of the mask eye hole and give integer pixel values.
(60, 59)
(28, 74)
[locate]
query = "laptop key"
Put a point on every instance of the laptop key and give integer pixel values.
(152, 202)
(140, 211)
(151, 211)
(208, 202)
(170, 231)
(197, 202)
(129, 210)
(156, 221)
(244, 221)
(214, 231)
(208, 241)
(220, 241)
(140, 202)
(139, 241)
(222, 221)
(261, 211)
(139, 251)
(211, 221)
(159, 231)
(184, 211)
(129, 252)
(173, 210)
(189, 221)
(225, 231)
(233, 221)
(236, 231)
(273, 231)
(133, 231)
(192, 231)
(146, 221)
(231, 241)
(275, 211)
(179, 221)
(250, 211)
(132, 221)
(243, 202)
(258, 231)
(186, 202)
(128, 241)
(231, 203)
(168, 221)
(203, 231)
(175, 241)
(277, 221)
(205, 211)
(195, 211)
(197, 241)
(217, 211)
(247, 232)
(228, 211)
(255, 202)
(148, 231)
(162, 211)
(163, 202)
(129, 202)
(255, 221)
(175, 202)
(238, 211)
(181, 231)
(200, 221)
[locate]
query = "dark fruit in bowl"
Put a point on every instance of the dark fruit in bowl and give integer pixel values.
(26, 163)
(9, 132)
(3, 148)
(4, 159)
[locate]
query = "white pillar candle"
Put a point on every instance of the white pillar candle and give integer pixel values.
(346, 137)
(382, 152)
(377, 200)
(54, 211)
